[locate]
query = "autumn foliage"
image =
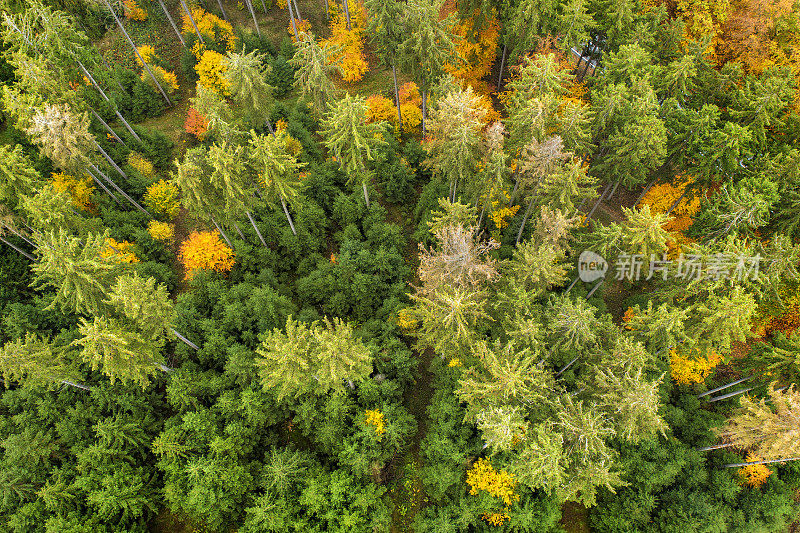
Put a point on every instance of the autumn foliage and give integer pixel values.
(215, 31)
(482, 477)
(210, 70)
(196, 124)
(754, 475)
(661, 197)
(692, 367)
(121, 251)
(134, 12)
(475, 50)
(162, 198)
(80, 190)
(204, 250)
(350, 43)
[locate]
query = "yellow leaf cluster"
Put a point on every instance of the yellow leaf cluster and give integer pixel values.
(142, 165)
(204, 250)
(162, 198)
(375, 418)
(349, 42)
(161, 231)
(80, 190)
(628, 316)
(133, 11)
(406, 320)
(754, 475)
(686, 369)
(303, 26)
(147, 52)
(661, 197)
(167, 78)
(502, 216)
(210, 69)
(211, 27)
(496, 518)
(475, 50)
(121, 251)
(293, 146)
(454, 362)
(380, 108)
(499, 484)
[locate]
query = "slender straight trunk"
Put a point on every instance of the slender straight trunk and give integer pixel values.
(111, 104)
(127, 126)
(716, 447)
(502, 64)
(224, 15)
(594, 289)
(681, 197)
(738, 465)
(397, 98)
(297, 11)
(731, 384)
(524, 220)
(258, 232)
(288, 216)
(107, 127)
(20, 235)
(347, 14)
(424, 109)
(567, 366)
(730, 395)
(645, 191)
(253, 14)
(455, 188)
(224, 236)
(264, 5)
(269, 127)
(239, 231)
(186, 341)
(613, 191)
(327, 10)
(514, 192)
(171, 22)
(191, 18)
(291, 18)
(138, 55)
(366, 194)
(19, 250)
(589, 216)
(121, 88)
(164, 368)
(76, 385)
(574, 281)
(102, 186)
(586, 68)
(483, 211)
(108, 158)
(123, 193)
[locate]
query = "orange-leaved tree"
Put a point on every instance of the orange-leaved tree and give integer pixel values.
(349, 43)
(196, 124)
(204, 250)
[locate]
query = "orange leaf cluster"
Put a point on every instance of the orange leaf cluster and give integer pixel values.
(204, 250)
(133, 11)
(661, 197)
(754, 475)
(349, 42)
(196, 124)
(475, 50)
(303, 26)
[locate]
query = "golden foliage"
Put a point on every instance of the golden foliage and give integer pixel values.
(475, 50)
(196, 124)
(161, 231)
(162, 198)
(496, 518)
(142, 165)
(147, 52)
(498, 483)
(210, 69)
(686, 369)
(406, 319)
(455, 362)
(349, 42)
(303, 26)
(121, 251)
(661, 197)
(380, 108)
(80, 190)
(754, 475)
(375, 418)
(211, 27)
(627, 317)
(168, 80)
(133, 11)
(204, 250)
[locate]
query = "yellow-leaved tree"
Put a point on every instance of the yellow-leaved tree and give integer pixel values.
(162, 198)
(204, 250)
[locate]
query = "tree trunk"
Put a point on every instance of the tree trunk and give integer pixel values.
(613, 191)
(589, 216)
(645, 191)
(123, 193)
(253, 14)
(737, 465)
(102, 185)
(574, 281)
(294, 24)
(258, 232)
(191, 18)
(108, 158)
(222, 9)
(502, 64)
(19, 250)
(424, 109)
(347, 14)
(171, 22)
(514, 192)
(729, 395)
(681, 197)
(224, 236)
(239, 231)
(138, 55)
(366, 194)
(111, 104)
(127, 126)
(327, 11)
(121, 88)
(397, 98)
(731, 384)
(107, 127)
(524, 220)
(288, 216)
(264, 5)
(567, 366)
(20, 235)
(184, 339)
(76, 385)
(297, 11)
(483, 211)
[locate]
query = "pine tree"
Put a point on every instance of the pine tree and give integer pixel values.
(251, 95)
(315, 71)
(33, 360)
(351, 139)
(62, 135)
(385, 26)
(315, 359)
(17, 176)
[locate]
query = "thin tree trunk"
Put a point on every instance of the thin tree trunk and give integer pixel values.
(716, 447)
(594, 289)
(589, 216)
(294, 24)
(483, 211)
(731, 384)
(76, 385)
(19, 250)
(253, 223)
(20, 235)
(424, 109)
(253, 14)
(737, 465)
(524, 220)
(297, 11)
(138, 55)
(514, 192)
(123, 193)
(288, 216)
(574, 281)
(164, 368)
(729, 395)
(191, 18)
(264, 5)
(111, 70)
(184, 339)
(366, 194)
(224, 15)
(681, 197)
(108, 158)
(127, 126)
(224, 236)
(502, 64)
(396, 97)
(171, 22)
(327, 10)
(567, 366)
(102, 185)
(239, 231)
(269, 127)
(111, 104)
(347, 14)
(107, 127)
(613, 191)
(645, 191)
